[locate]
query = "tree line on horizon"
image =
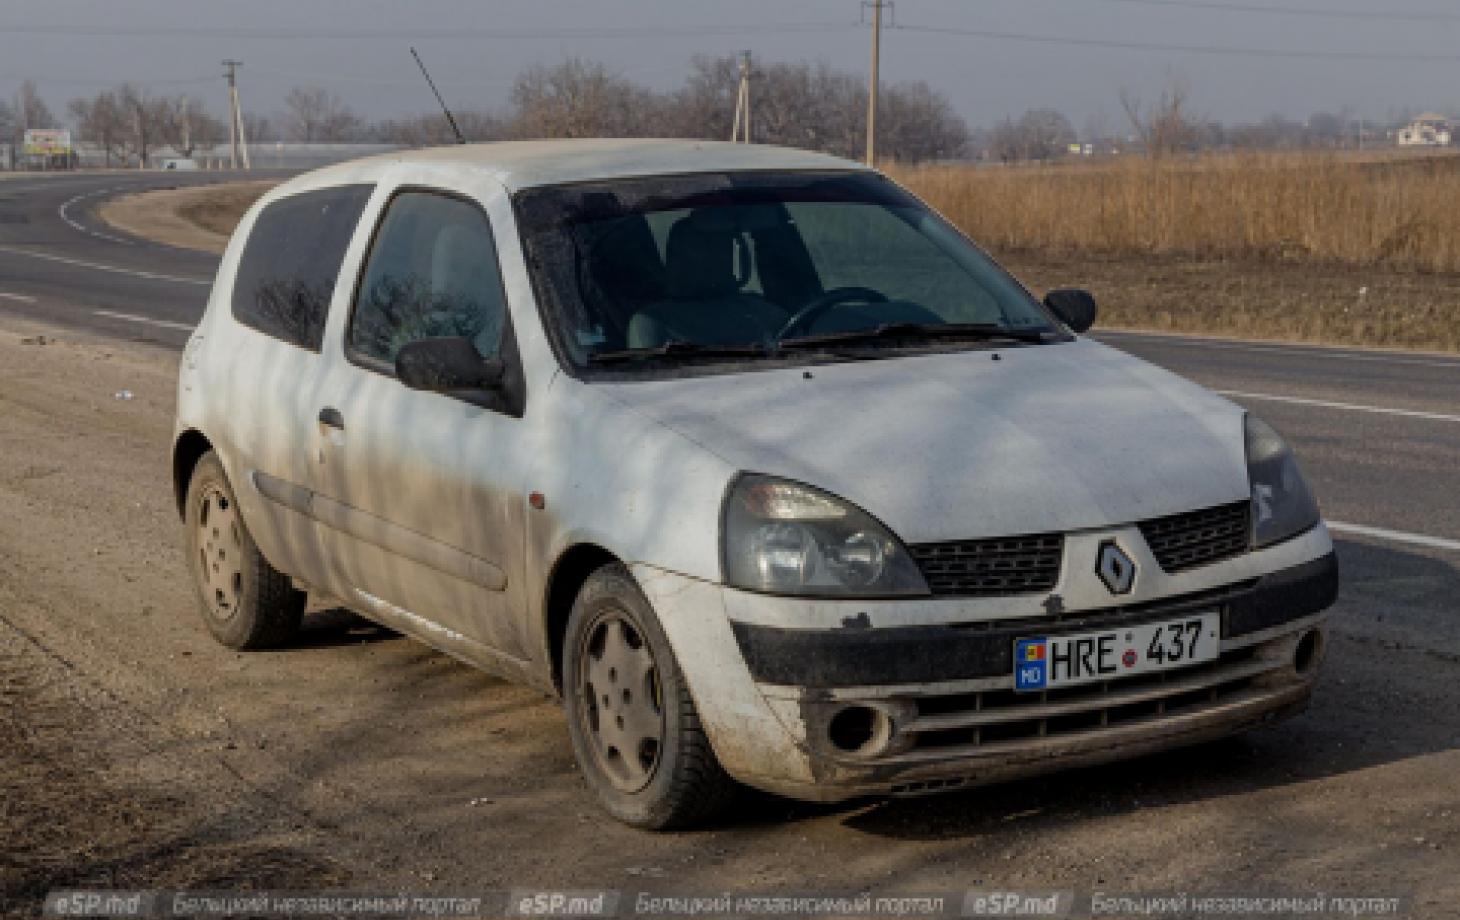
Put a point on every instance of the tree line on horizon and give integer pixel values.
(811, 106)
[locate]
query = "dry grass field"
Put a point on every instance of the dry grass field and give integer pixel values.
(1397, 212)
(1315, 247)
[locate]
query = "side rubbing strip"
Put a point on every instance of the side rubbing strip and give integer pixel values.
(379, 532)
(295, 498)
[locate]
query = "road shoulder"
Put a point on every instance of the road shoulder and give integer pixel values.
(197, 217)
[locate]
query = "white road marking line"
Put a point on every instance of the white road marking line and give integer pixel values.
(23, 298)
(86, 230)
(1348, 407)
(166, 324)
(1307, 350)
(154, 276)
(1395, 536)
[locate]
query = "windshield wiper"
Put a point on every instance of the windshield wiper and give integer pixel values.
(677, 349)
(982, 332)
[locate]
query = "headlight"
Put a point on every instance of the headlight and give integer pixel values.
(1282, 506)
(782, 537)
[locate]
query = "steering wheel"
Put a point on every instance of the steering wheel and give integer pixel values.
(823, 302)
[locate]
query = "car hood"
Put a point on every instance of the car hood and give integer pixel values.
(1058, 437)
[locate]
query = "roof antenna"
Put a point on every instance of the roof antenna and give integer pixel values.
(460, 139)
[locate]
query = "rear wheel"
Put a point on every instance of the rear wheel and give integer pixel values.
(246, 603)
(634, 726)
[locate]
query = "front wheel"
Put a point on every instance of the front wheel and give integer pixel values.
(634, 726)
(246, 602)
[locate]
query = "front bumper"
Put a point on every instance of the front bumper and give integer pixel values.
(947, 716)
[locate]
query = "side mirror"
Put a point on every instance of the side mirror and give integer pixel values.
(447, 365)
(1074, 307)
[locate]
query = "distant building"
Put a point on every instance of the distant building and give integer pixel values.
(1428, 130)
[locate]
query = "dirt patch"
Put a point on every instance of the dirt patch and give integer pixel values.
(200, 217)
(1335, 305)
(90, 803)
(136, 751)
(101, 787)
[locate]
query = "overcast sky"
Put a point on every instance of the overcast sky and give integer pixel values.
(358, 49)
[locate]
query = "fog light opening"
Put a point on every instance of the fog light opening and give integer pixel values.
(860, 730)
(1309, 650)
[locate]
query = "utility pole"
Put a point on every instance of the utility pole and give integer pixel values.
(187, 130)
(872, 88)
(742, 103)
(237, 143)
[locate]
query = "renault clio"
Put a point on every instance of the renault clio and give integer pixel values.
(746, 454)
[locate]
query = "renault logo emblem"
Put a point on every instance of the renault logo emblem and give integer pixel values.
(1115, 568)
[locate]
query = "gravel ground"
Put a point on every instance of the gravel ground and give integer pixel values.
(136, 752)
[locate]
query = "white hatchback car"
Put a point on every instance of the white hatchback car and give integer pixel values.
(751, 457)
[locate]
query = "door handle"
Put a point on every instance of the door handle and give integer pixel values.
(330, 417)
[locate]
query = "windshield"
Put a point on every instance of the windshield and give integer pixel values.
(748, 266)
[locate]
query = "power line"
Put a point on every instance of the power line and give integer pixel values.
(49, 81)
(78, 31)
(1182, 48)
(1324, 13)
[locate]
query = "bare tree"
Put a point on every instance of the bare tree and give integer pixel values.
(31, 110)
(1039, 134)
(579, 98)
(817, 108)
(317, 115)
(9, 123)
(705, 105)
(919, 124)
(142, 120)
(432, 129)
(257, 128)
(1164, 127)
(186, 126)
(100, 120)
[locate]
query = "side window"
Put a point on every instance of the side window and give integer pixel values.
(432, 272)
(289, 265)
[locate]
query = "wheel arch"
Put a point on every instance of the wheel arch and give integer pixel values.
(187, 450)
(569, 572)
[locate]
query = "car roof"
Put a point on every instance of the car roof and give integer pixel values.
(525, 164)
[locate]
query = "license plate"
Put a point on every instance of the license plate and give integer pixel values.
(1047, 662)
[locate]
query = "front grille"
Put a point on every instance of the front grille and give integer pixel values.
(1196, 538)
(993, 567)
(997, 718)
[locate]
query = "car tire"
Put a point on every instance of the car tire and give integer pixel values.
(246, 603)
(621, 684)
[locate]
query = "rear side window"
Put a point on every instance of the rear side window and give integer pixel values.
(290, 263)
(432, 271)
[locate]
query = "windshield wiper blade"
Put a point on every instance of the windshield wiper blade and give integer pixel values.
(977, 331)
(676, 349)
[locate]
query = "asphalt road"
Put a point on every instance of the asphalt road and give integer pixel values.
(1377, 432)
(60, 264)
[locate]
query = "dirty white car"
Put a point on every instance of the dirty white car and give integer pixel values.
(753, 458)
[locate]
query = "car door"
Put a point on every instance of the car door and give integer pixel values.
(422, 492)
(263, 371)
